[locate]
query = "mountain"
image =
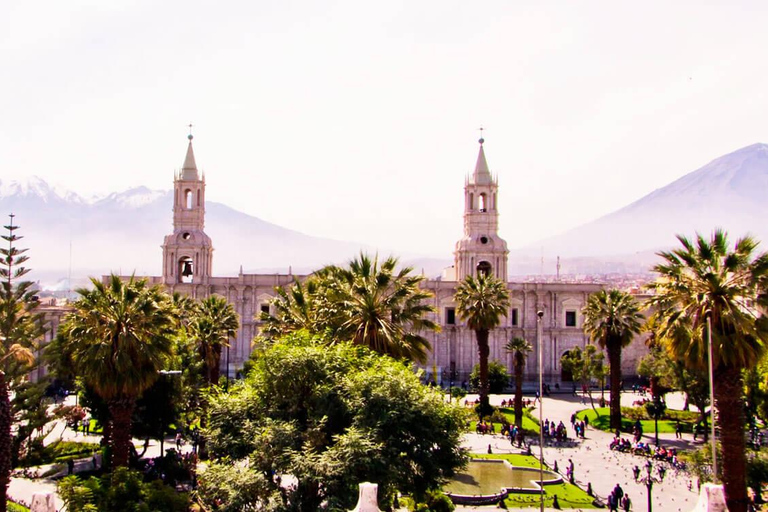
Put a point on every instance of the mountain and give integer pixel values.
(729, 192)
(123, 231)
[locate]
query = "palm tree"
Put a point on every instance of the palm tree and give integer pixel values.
(706, 280)
(481, 302)
(612, 319)
(20, 327)
(520, 350)
(214, 323)
(380, 307)
(119, 334)
(299, 306)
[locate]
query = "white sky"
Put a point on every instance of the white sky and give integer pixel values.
(358, 120)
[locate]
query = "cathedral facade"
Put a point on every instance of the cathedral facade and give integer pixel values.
(187, 268)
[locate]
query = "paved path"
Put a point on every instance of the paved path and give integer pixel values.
(594, 462)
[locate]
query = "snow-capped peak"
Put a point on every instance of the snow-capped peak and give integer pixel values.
(35, 186)
(132, 198)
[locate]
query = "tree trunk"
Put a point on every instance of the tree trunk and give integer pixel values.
(121, 411)
(483, 352)
(730, 416)
(215, 370)
(614, 358)
(518, 392)
(5, 441)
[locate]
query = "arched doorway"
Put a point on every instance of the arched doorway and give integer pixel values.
(565, 375)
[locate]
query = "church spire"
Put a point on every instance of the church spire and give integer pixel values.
(189, 170)
(481, 176)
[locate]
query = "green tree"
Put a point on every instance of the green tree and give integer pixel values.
(299, 306)
(668, 374)
(707, 280)
(481, 302)
(330, 415)
(20, 330)
(519, 348)
(369, 302)
(584, 366)
(612, 319)
(213, 324)
(119, 338)
(498, 378)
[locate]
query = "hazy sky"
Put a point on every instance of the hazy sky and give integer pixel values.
(358, 120)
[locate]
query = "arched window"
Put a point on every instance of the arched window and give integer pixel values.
(483, 203)
(484, 268)
(198, 198)
(188, 199)
(471, 201)
(186, 270)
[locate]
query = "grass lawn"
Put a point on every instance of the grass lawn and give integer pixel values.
(569, 495)
(93, 427)
(528, 424)
(601, 419)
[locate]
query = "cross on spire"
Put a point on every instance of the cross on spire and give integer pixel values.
(190, 132)
(481, 136)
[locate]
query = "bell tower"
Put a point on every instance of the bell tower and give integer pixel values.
(188, 251)
(481, 250)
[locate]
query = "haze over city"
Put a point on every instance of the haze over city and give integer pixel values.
(359, 121)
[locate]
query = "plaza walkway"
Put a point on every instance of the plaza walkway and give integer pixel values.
(594, 462)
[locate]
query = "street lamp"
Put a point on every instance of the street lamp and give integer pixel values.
(539, 316)
(649, 480)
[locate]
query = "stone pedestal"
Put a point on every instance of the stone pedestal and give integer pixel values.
(367, 500)
(43, 502)
(711, 499)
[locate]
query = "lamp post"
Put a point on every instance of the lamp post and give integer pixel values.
(649, 480)
(539, 316)
(712, 399)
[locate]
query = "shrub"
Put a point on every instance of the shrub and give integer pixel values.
(439, 502)
(498, 378)
(123, 490)
(58, 451)
(498, 417)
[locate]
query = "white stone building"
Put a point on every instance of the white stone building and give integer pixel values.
(187, 268)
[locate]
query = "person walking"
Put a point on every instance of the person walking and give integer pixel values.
(619, 492)
(626, 503)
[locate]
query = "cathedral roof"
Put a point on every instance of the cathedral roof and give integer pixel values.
(481, 176)
(189, 170)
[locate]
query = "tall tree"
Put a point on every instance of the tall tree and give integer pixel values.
(612, 319)
(368, 302)
(213, 324)
(481, 302)
(585, 365)
(20, 328)
(120, 334)
(519, 348)
(381, 307)
(707, 280)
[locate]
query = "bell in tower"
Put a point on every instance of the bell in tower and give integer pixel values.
(188, 251)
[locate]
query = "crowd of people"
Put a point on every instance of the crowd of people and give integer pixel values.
(579, 427)
(646, 450)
